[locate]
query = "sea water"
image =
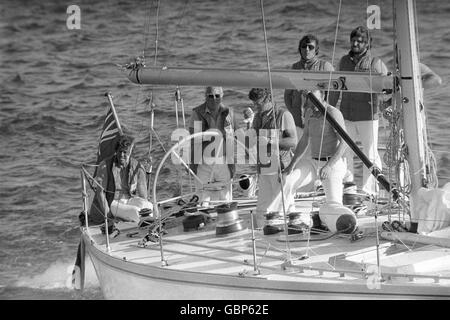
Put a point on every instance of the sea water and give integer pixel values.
(52, 103)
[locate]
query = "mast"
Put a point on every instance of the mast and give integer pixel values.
(410, 96)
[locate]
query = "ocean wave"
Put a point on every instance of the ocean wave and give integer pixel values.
(17, 79)
(58, 276)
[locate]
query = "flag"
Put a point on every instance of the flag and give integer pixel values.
(109, 137)
(107, 147)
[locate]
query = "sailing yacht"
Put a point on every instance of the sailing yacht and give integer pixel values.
(235, 260)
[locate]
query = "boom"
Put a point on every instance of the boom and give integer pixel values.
(281, 79)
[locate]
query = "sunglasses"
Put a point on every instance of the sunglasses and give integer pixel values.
(309, 46)
(212, 96)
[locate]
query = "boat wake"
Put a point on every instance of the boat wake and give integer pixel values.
(59, 276)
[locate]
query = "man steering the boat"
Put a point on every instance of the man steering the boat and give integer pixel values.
(207, 162)
(123, 179)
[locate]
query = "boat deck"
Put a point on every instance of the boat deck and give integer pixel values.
(324, 259)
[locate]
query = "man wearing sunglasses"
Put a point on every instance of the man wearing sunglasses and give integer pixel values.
(360, 110)
(208, 162)
(296, 100)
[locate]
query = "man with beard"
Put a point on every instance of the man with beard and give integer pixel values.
(360, 110)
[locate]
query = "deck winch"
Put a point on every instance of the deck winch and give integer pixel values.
(228, 220)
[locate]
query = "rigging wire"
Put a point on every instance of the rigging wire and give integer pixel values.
(151, 103)
(178, 98)
(371, 61)
(280, 175)
(390, 113)
(157, 32)
(146, 30)
(174, 34)
(140, 61)
(374, 145)
(395, 155)
(326, 112)
(432, 177)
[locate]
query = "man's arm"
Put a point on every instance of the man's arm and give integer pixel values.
(328, 67)
(429, 78)
(191, 124)
(342, 144)
(288, 98)
(326, 170)
(141, 189)
(289, 138)
(378, 66)
(300, 149)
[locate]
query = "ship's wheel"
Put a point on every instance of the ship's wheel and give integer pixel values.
(166, 206)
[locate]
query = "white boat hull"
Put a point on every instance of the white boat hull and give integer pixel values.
(123, 279)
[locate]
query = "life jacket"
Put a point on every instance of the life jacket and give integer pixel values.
(137, 188)
(298, 98)
(111, 186)
(226, 126)
(359, 106)
(266, 121)
(226, 118)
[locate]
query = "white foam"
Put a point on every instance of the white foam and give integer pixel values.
(59, 275)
